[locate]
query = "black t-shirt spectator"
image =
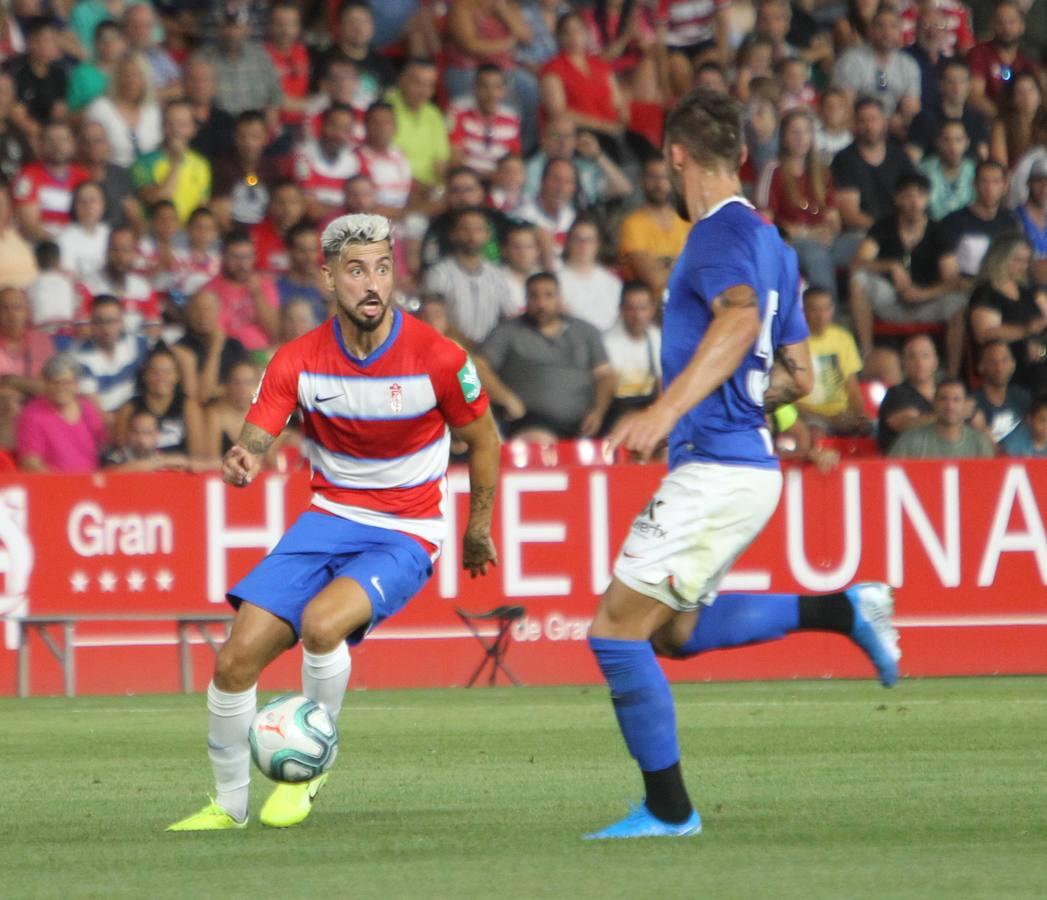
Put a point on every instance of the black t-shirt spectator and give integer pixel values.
(970, 236)
(922, 261)
(117, 187)
(214, 137)
(232, 353)
(924, 128)
(374, 67)
(875, 184)
(901, 396)
(1012, 312)
(1002, 420)
(39, 94)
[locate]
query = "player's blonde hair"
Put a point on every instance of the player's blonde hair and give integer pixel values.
(355, 228)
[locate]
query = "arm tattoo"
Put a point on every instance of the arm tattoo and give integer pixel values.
(481, 502)
(782, 389)
(739, 297)
(255, 440)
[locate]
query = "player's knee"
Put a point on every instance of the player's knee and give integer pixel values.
(320, 635)
(235, 670)
(667, 646)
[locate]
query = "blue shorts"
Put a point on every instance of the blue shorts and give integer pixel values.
(318, 548)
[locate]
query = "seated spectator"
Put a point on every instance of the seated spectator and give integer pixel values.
(433, 311)
(590, 291)
(11, 401)
(159, 259)
(60, 431)
(548, 372)
(214, 126)
(955, 86)
(224, 419)
(296, 318)
(947, 436)
(340, 86)
(884, 367)
(161, 393)
(599, 177)
(866, 172)
(905, 271)
(354, 43)
(1001, 405)
(950, 171)
(634, 350)
(691, 33)
(23, 349)
(1012, 131)
(832, 130)
(109, 357)
(322, 166)
(83, 242)
(43, 192)
(541, 17)
(420, 128)
(141, 453)
(121, 204)
(89, 79)
(476, 289)
(304, 279)
(127, 111)
(880, 69)
(953, 20)
(910, 403)
(1033, 216)
(245, 177)
(506, 191)
(287, 209)
(797, 90)
(1035, 156)
(384, 163)
(970, 230)
(142, 30)
(173, 171)
(835, 405)
(17, 261)
(52, 300)
(623, 35)
(928, 51)
(852, 30)
(582, 86)
(652, 235)
(39, 74)
(521, 258)
(15, 130)
(205, 353)
(244, 73)
(796, 193)
(482, 127)
(1004, 306)
(1030, 437)
(249, 301)
(464, 191)
(553, 211)
(997, 61)
(290, 59)
(759, 130)
(794, 442)
(118, 278)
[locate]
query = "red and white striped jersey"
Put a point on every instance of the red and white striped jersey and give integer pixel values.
(54, 196)
(376, 430)
(140, 302)
(391, 173)
(483, 140)
(322, 178)
(958, 33)
(689, 22)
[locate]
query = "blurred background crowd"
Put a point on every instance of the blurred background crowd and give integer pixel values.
(167, 168)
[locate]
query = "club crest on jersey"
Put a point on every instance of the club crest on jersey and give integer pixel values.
(396, 397)
(469, 381)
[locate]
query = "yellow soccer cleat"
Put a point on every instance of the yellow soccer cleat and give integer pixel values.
(289, 804)
(211, 818)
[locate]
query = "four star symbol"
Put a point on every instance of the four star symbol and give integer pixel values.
(108, 580)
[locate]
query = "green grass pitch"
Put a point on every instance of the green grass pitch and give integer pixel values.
(935, 789)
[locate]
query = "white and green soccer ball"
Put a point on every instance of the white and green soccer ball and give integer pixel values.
(293, 739)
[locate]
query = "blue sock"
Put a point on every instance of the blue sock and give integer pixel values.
(736, 619)
(642, 701)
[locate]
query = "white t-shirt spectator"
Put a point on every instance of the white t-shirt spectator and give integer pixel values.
(593, 296)
(52, 300)
(636, 361)
(127, 144)
(83, 252)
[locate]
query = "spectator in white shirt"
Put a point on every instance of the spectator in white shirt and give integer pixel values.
(553, 210)
(52, 298)
(589, 290)
(83, 242)
(634, 348)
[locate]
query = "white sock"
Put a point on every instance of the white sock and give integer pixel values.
(229, 720)
(325, 677)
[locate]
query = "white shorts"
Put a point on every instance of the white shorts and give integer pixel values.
(687, 538)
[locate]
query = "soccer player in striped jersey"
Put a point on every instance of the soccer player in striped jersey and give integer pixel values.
(378, 392)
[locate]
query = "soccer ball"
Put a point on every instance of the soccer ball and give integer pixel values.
(293, 739)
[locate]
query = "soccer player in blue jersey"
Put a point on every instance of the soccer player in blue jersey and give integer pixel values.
(734, 346)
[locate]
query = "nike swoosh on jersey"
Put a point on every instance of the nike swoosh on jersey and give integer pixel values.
(318, 399)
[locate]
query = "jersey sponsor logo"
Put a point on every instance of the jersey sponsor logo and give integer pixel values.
(469, 381)
(396, 397)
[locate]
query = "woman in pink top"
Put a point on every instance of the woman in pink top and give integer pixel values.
(60, 431)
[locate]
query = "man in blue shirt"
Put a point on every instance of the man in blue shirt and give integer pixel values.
(734, 346)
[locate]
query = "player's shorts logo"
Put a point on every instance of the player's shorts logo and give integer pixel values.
(396, 397)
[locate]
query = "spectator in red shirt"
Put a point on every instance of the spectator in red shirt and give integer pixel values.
(482, 128)
(250, 302)
(60, 431)
(286, 210)
(23, 349)
(290, 59)
(384, 163)
(43, 192)
(996, 62)
(321, 167)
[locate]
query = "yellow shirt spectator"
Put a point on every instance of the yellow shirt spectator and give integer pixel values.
(193, 186)
(422, 135)
(643, 234)
(835, 357)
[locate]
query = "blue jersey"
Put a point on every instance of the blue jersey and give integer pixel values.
(731, 246)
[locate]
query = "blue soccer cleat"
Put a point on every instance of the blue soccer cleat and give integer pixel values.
(873, 631)
(641, 824)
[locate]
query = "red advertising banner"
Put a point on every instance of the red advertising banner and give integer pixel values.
(964, 544)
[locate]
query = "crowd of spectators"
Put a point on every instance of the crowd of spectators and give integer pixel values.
(167, 168)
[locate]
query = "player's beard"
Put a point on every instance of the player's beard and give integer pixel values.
(366, 323)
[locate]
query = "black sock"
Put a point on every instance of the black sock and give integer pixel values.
(666, 795)
(828, 612)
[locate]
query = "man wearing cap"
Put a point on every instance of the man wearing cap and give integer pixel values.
(1033, 216)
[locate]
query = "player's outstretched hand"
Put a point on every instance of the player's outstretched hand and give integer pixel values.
(240, 466)
(478, 553)
(641, 433)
